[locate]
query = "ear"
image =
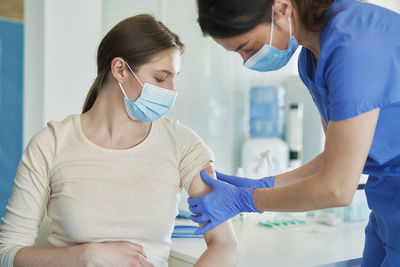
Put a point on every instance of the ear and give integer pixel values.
(119, 70)
(283, 8)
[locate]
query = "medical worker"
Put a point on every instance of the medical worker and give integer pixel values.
(350, 63)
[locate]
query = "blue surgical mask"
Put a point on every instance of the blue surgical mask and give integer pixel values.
(153, 103)
(269, 58)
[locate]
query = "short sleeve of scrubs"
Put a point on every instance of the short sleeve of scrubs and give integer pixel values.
(362, 71)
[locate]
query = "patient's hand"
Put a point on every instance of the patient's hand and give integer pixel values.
(115, 254)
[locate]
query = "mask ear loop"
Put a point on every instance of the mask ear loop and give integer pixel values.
(133, 73)
(122, 89)
(272, 28)
(120, 86)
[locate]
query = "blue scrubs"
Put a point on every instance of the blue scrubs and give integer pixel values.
(358, 70)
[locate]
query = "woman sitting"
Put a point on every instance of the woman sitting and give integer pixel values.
(110, 178)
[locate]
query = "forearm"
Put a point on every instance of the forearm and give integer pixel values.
(307, 170)
(54, 257)
(220, 254)
(314, 192)
(222, 247)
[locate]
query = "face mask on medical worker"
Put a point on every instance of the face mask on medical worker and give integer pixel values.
(269, 58)
(153, 103)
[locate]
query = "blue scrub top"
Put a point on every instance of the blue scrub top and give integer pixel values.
(358, 70)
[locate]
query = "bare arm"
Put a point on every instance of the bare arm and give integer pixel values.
(300, 173)
(346, 150)
(311, 168)
(222, 247)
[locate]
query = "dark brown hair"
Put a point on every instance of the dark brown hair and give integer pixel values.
(228, 18)
(136, 40)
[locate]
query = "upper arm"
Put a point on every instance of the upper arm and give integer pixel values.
(193, 156)
(222, 233)
(346, 149)
(357, 87)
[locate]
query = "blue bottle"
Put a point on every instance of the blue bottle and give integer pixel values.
(267, 111)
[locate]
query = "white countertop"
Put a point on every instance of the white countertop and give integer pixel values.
(309, 245)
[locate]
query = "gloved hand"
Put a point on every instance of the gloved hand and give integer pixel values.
(267, 182)
(218, 206)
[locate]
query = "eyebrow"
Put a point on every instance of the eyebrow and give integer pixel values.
(241, 46)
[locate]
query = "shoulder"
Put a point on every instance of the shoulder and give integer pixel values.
(177, 129)
(41, 148)
(64, 125)
(350, 13)
(48, 134)
(43, 139)
(355, 31)
(46, 139)
(66, 128)
(357, 22)
(168, 123)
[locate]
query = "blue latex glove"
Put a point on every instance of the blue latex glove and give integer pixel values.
(218, 206)
(267, 182)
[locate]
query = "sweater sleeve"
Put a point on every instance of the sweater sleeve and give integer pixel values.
(194, 154)
(30, 195)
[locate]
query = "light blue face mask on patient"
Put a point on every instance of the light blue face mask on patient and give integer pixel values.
(153, 103)
(269, 58)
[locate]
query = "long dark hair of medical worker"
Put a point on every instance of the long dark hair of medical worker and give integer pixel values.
(136, 40)
(228, 18)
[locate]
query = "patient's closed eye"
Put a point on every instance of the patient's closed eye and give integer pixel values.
(160, 78)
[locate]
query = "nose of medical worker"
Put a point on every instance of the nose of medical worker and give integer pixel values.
(153, 103)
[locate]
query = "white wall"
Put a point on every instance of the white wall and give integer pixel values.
(61, 39)
(33, 68)
(391, 4)
(72, 33)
